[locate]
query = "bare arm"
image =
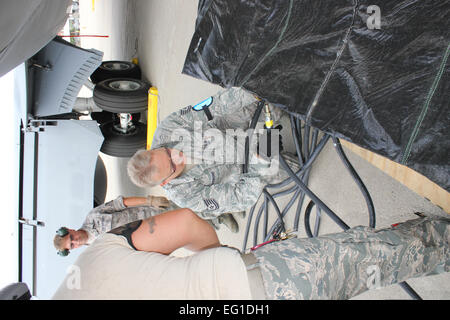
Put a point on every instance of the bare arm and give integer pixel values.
(175, 229)
(134, 201)
(151, 201)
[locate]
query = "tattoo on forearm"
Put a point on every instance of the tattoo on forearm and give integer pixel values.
(151, 224)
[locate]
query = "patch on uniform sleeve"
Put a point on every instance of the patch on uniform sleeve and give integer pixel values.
(211, 204)
(208, 179)
(185, 110)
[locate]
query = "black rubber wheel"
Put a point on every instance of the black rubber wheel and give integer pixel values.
(118, 144)
(100, 182)
(122, 95)
(116, 69)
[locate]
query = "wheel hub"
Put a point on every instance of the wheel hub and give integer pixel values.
(124, 85)
(125, 125)
(116, 66)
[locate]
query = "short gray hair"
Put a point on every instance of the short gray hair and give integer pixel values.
(58, 242)
(140, 171)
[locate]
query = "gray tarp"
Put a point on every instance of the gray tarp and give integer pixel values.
(386, 90)
(27, 26)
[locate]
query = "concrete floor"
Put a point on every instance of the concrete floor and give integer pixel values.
(159, 33)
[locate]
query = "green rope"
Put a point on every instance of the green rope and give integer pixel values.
(424, 111)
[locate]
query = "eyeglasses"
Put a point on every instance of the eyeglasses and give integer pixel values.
(62, 232)
(172, 166)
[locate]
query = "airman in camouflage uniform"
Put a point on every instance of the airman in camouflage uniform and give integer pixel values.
(343, 265)
(108, 216)
(213, 188)
(114, 213)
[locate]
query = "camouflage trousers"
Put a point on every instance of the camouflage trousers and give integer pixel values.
(343, 265)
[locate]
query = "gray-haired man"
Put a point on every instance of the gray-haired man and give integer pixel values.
(197, 156)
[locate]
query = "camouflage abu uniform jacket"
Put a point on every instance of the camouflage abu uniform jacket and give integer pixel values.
(215, 185)
(113, 214)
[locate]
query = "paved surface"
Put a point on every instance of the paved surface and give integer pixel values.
(159, 33)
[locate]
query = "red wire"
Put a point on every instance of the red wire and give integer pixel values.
(262, 244)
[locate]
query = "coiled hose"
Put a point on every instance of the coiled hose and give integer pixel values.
(307, 153)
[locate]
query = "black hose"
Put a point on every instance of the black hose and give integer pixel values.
(307, 218)
(277, 225)
(317, 223)
(250, 133)
(300, 204)
(266, 216)
(297, 142)
(255, 229)
(247, 228)
(307, 152)
(306, 166)
(312, 196)
(277, 209)
(315, 149)
(412, 293)
(307, 130)
(307, 214)
(358, 181)
(314, 139)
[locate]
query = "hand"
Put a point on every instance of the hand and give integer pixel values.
(157, 202)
